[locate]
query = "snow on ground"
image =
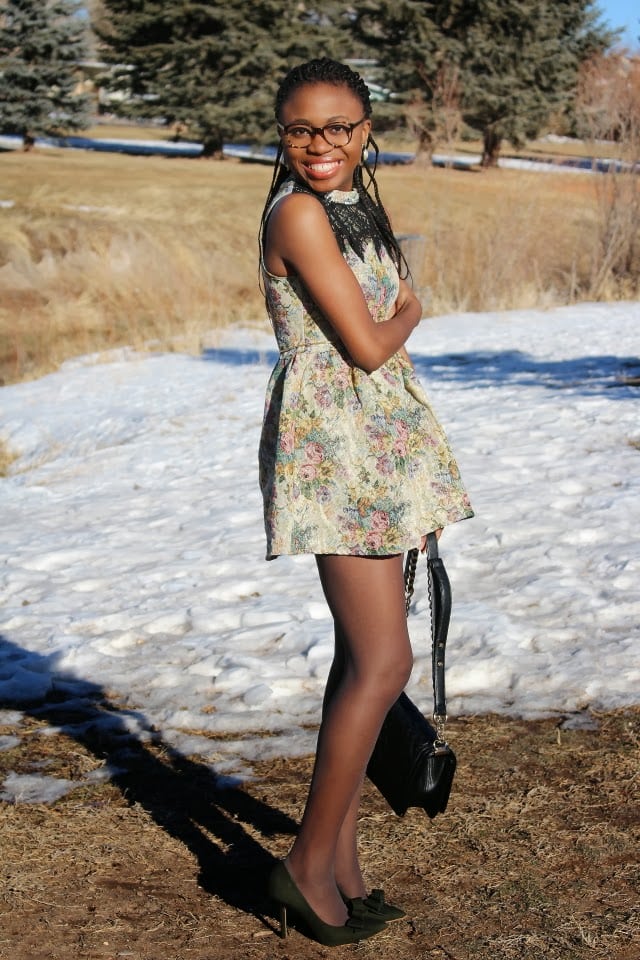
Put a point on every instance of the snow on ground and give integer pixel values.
(131, 556)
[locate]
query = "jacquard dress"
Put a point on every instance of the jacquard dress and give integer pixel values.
(350, 462)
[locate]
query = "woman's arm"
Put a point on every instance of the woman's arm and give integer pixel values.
(300, 240)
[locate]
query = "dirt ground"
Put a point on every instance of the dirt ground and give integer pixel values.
(537, 856)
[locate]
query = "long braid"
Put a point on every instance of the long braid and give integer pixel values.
(376, 210)
(325, 70)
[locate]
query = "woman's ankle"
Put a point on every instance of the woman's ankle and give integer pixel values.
(319, 890)
(350, 884)
(307, 870)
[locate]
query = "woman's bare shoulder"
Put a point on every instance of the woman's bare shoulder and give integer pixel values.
(295, 206)
(299, 235)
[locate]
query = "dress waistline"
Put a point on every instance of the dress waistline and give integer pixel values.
(305, 345)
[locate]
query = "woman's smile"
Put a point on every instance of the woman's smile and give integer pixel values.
(321, 169)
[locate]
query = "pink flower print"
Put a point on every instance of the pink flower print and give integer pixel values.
(402, 429)
(341, 378)
(314, 452)
(384, 465)
(380, 521)
(399, 448)
(308, 471)
(286, 442)
(323, 397)
(373, 539)
(376, 438)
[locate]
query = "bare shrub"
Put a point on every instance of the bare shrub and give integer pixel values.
(608, 107)
(439, 119)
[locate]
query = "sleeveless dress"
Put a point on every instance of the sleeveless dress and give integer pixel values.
(350, 462)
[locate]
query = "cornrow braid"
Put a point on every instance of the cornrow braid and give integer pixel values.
(325, 70)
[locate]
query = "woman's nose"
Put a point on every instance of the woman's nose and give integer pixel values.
(318, 143)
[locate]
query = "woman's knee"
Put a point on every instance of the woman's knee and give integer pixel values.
(401, 671)
(388, 672)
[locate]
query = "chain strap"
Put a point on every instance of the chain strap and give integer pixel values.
(411, 563)
(410, 576)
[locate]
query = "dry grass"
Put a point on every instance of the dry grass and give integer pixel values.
(103, 250)
(535, 859)
(500, 239)
(7, 457)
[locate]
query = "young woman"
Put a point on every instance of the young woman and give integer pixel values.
(354, 467)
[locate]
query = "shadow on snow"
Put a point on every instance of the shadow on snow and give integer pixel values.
(185, 798)
(617, 376)
(582, 375)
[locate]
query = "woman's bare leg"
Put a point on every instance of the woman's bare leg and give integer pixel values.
(366, 598)
(348, 875)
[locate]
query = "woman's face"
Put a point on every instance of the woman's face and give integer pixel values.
(319, 164)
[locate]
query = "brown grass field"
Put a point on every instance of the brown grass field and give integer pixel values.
(101, 250)
(536, 858)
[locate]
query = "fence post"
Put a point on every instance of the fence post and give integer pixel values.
(414, 250)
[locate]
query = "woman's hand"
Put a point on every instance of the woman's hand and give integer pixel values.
(405, 295)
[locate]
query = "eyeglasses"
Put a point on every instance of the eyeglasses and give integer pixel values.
(336, 134)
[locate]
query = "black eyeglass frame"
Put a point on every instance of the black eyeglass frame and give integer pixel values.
(313, 131)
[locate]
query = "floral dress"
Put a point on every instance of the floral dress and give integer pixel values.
(350, 462)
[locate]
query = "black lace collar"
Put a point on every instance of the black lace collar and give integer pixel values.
(352, 223)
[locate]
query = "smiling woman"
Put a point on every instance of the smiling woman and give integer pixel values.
(354, 467)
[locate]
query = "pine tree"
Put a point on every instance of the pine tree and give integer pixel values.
(520, 63)
(41, 44)
(516, 61)
(212, 66)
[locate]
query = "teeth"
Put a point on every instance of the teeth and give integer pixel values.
(322, 167)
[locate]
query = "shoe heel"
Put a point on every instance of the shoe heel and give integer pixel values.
(284, 930)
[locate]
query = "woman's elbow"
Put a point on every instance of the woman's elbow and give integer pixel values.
(369, 359)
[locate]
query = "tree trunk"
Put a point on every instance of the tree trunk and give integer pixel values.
(212, 144)
(425, 147)
(491, 147)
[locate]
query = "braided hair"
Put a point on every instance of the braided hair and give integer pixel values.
(325, 70)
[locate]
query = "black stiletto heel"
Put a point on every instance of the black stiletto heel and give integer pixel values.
(284, 930)
(283, 890)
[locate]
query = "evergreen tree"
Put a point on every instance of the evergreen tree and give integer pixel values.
(41, 44)
(520, 63)
(213, 65)
(516, 61)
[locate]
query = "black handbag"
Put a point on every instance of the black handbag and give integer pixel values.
(412, 765)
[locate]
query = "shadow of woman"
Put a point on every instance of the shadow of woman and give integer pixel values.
(186, 798)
